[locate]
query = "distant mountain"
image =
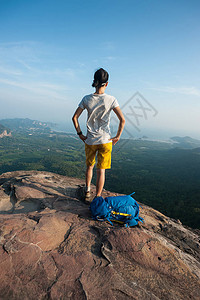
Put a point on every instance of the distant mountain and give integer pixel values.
(2, 128)
(4, 131)
(186, 142)
(20, 124)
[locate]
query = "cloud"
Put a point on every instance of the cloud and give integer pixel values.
(36, 57)
(25, 50)
(36, 68)
(10, 71)
(179, 90)
(43, 89)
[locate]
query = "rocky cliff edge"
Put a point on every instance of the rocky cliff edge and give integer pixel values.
(50, 248)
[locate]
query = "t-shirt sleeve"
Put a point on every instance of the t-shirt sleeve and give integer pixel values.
(114, 103)
(82, 103)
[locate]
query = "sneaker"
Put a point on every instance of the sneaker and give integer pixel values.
(87, 195)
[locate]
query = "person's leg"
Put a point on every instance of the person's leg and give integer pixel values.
(88, 177)
(90, 152)
(104, 162)
(100, 181)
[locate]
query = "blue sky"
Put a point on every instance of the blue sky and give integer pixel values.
(49, 51)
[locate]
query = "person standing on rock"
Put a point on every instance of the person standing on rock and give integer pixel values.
(98, 140)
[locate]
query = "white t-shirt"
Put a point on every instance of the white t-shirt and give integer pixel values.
(99, 108)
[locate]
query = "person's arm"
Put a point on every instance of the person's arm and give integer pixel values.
(75, 117)
(121, 118)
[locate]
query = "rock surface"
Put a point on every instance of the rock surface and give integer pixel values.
(5, 133)
(50, 247)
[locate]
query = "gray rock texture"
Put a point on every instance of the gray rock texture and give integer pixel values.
(50, 248)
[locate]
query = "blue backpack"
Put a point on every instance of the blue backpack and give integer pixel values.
(121, 209)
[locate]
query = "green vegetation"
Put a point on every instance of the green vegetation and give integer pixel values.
(50, 152)
(161, 175)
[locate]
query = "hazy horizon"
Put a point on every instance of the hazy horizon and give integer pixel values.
(129, 131)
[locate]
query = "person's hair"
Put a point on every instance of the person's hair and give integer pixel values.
(100, 78)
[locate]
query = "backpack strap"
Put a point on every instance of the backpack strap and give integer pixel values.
(141, 219)
(103, 219)
(132, 193)
(120, 214)
(137, 203)
(109, 221)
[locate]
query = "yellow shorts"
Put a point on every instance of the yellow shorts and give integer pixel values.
(103, 155)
